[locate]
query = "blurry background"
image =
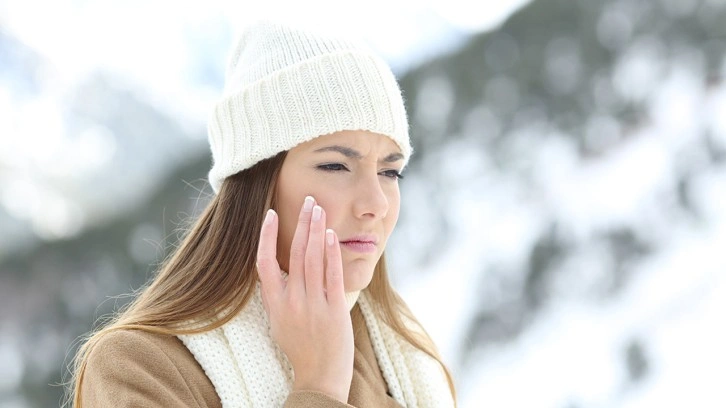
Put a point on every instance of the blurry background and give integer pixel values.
(563, 231)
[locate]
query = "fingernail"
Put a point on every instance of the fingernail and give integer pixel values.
(308, 205)
(329, 236)
(317, 211)
(268, 217)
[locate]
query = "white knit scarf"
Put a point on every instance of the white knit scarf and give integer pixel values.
(248, 369)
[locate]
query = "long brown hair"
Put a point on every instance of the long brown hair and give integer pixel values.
(213, 270)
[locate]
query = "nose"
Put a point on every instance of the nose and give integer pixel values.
(371, 200)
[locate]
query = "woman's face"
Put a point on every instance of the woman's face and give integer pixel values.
(353, 176)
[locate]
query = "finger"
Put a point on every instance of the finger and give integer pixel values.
(268, 269)
(334, 282)
(299, 245)
(314, 269)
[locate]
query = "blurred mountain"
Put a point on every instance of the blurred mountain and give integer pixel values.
(112, 147)
(505, 126)
(530, 146)
(53, 292)
(51, 284)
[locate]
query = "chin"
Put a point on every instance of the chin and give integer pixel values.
(357, 275)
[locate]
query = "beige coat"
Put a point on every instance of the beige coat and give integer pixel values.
(132, 368)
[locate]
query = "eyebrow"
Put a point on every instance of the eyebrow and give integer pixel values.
(354, 154)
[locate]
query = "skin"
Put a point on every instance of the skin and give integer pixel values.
(351, 179)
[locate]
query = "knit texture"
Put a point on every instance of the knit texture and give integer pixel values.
(285, 86)
(248, 369)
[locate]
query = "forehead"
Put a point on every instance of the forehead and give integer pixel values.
(361, 140)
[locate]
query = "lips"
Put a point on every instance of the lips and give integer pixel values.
(363, 243)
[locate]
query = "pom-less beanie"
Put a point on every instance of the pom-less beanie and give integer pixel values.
(286, 85)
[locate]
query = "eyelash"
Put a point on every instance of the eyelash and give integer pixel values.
(393, 174)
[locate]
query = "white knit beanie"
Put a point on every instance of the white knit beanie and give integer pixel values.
(285, 86)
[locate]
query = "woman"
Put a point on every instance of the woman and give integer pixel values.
(279, 293)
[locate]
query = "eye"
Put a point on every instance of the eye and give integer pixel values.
(394, 174)
(333, 167)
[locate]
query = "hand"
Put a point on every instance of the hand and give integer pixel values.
(308, 314)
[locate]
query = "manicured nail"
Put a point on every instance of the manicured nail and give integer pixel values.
(308, 205)
(329, 236)
(317, 211)
(269, 216)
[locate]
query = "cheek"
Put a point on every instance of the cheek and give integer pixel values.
(291, 195)
(394, 208)
(329, 200)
